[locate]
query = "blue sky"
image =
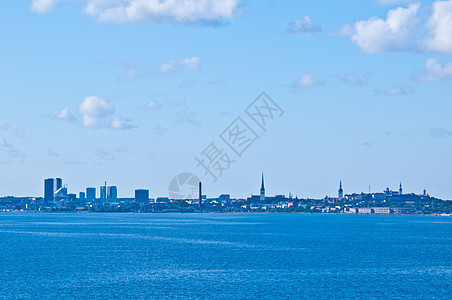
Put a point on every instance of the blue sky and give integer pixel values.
(132, 91)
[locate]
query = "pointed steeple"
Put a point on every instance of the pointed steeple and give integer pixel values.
(262, 194)
(400, 189)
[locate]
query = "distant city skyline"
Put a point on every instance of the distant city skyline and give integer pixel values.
(92, 94)
(107, 193)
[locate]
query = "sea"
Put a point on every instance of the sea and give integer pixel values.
(224, 256)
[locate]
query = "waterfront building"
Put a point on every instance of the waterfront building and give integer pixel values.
(103, 193)
(112, 193)
(58, 184)
(142, 196)
(61, 194)
(90, 194)
(81, 196)
(49, 189)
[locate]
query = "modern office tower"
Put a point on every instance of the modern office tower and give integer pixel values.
(81, 196)
(340, 192)
(141, 196)
(262, 195)
(90, 194)
(400, 189)
(58, 184)
(112, 193)
(49, 189)
(103, 193)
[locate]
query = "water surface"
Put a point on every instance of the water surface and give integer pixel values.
(265, 256)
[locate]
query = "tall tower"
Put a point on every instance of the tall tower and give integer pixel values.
(58, 184)
(200, 195)
(400, 189)
(340, 192)
(49, 189)
(262, 195)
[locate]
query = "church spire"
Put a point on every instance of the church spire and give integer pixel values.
(340, 192)
(262, 186)
(262, 194)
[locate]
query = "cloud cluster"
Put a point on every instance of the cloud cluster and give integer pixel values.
(153, 11)
(434, 71)
(63, 114)
(303, 26)
(95, 113)
(440, 28)
(93, 110)
(403, 31)
(393, 34)
(189, 64)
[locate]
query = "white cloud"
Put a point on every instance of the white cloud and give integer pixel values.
(307, 80)
(184, 11)
(63, 114)
(190, 64)
(440, 27)
(440, 133)
(121, 123)
(93, 110)
(393, 34)
(43, 6)
(353, 79)
(304, 26)
(398, 90)
(434, 71)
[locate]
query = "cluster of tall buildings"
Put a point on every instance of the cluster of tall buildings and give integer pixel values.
(54, 190)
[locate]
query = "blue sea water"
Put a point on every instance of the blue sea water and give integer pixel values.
(225, 256)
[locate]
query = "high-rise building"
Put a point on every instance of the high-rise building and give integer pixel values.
(141, 196)
(262, 195)
(103, 193)
(58, 184)
(49, 189)
(90, 194)
(200, 195)
(112, 193)
(340, 192)
(81, 196)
